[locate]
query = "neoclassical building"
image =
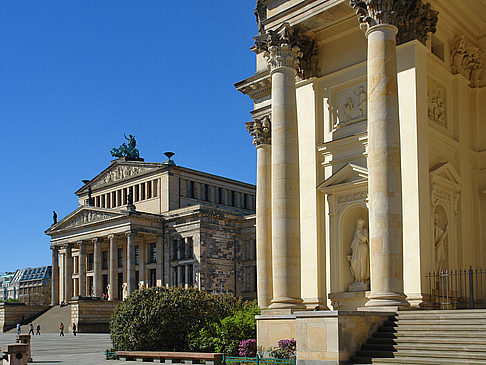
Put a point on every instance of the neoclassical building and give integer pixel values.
(155, 224)
(369, 127)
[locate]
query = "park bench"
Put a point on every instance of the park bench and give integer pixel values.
(171, 357)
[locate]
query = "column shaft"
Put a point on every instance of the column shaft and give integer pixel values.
(142, 258)
(130, 263)
(68, 274)
(264, 225)
(285, 191)
(160, 263)
(97, 268)
(82, 269)
(113, 270)
(55, 276)
(384, 171)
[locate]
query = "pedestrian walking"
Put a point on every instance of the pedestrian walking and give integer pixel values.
(31, 328)
(18, 328)
(74, 329)
(37, 329)
(61, 329)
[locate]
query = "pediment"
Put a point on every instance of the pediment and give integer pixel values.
(348, 174)
(445, 173)
(119, 171)
(84, 216)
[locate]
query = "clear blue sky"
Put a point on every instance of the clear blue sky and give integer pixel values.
(76, 75)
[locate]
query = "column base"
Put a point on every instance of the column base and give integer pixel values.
(386, 300)
(287, 303)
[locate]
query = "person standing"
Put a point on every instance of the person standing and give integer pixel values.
(37, 329)
(74, 329)
(61, 329)
(31, 328)
(18, 328)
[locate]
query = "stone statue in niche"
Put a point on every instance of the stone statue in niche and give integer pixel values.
(125, 290)
(440, 241)
(360, 258)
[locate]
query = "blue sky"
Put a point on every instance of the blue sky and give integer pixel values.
(76, 75)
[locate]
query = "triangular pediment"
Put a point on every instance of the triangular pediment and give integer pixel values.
(348, 174)
(120, 170)
(85, 216)
(445, 173)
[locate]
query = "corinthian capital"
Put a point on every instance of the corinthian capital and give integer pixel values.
(413, 18)
(260, 130)
(288, 47)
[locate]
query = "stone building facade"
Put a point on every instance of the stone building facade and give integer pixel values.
(31, 285)
(369, 126)
(146, 224)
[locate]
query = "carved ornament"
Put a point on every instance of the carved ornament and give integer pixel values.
(413, 18)
(87, 217)
(289, 47)
(352, 197)
(436, 105)
(466, 60)
(120, 172)
(260, 130)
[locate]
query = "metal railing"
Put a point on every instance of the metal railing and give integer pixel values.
(257, 360)
(458, 289)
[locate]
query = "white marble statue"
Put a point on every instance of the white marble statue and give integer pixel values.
(440, 243)
(360, 259)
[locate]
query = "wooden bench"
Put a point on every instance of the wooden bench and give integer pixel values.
(169, 357)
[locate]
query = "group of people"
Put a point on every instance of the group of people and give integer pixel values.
(31, 329)
(61, 329)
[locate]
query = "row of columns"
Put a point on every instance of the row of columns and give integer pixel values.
(128, 268)
(278, 200)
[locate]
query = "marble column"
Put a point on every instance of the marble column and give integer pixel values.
(380, 19)
(186, 276)
(282, 58)
(97, 267)
(113, 269)
(130, 268)
(55, 276)
(260, 129)
(159, 266)
(142, 259)
(82, 269)
(68, 273)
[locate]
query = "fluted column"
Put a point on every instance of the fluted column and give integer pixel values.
(55, 276)
(282, 58)
(68, 273)
(381, 18)
(97, 267)
(113, 269)
(260, 129)
(82, 269)
(130, 262)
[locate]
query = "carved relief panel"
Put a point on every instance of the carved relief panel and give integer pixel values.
(349, 104)
(437, 104)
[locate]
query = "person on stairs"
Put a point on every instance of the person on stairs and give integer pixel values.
(61, 329)
(37, 329)
(31, 328)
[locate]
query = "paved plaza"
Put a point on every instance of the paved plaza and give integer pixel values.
(84, 349)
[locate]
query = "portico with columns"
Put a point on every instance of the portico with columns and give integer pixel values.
(360, 104)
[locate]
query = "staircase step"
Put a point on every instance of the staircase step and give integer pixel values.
(438, 327)
(453, 347)
(439, 334)
(442, 354)
(433, 341)
(424, 361)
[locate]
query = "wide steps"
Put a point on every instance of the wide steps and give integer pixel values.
(428, 337)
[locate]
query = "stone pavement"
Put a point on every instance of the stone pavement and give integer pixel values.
(84, 349)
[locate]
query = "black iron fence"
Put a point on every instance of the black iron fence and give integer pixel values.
(458, 289)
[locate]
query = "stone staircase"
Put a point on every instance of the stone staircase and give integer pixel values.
(428, 337)
(49, 321)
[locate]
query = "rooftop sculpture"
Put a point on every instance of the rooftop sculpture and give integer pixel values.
(129, 151)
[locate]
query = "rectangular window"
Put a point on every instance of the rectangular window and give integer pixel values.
(152, 253)
(156, 188)
(90, 261)
(153, 278)
(104, 261)
(149, 189)
(113, 199)
(137, 256)
(120, 257)
(182, 248)
(108, 205)
(103, 201)
(190, 280)
(220, 196)
(174, 249)
(98, 201)
(191, 189)
(125, 195)
(245, 201)
(232, 198)
(137, 277)
(205, 192)
(137, 193)
(130, 191)
(120, 285)
(142, 191)
(190, 248)
(104, 286)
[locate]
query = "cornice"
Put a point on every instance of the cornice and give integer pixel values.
(257, 86)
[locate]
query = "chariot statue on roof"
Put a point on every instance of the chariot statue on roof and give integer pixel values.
(125, 150)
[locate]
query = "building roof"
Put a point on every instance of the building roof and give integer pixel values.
(29, 274)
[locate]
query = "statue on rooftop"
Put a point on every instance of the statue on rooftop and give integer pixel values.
(54, 217)
(127, 150)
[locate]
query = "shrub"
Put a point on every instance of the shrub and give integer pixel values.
(248, 348)
(285, 350)
(163, 318)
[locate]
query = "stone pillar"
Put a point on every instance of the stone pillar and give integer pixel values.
(142, 258)
(186, 276)
(68, 273)
(55, 276)
(82, 269)
(97, 267)
(260, 129)
(130, 267)
(159, 266)
(384, 171)
(113, 269)
(282, 58)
